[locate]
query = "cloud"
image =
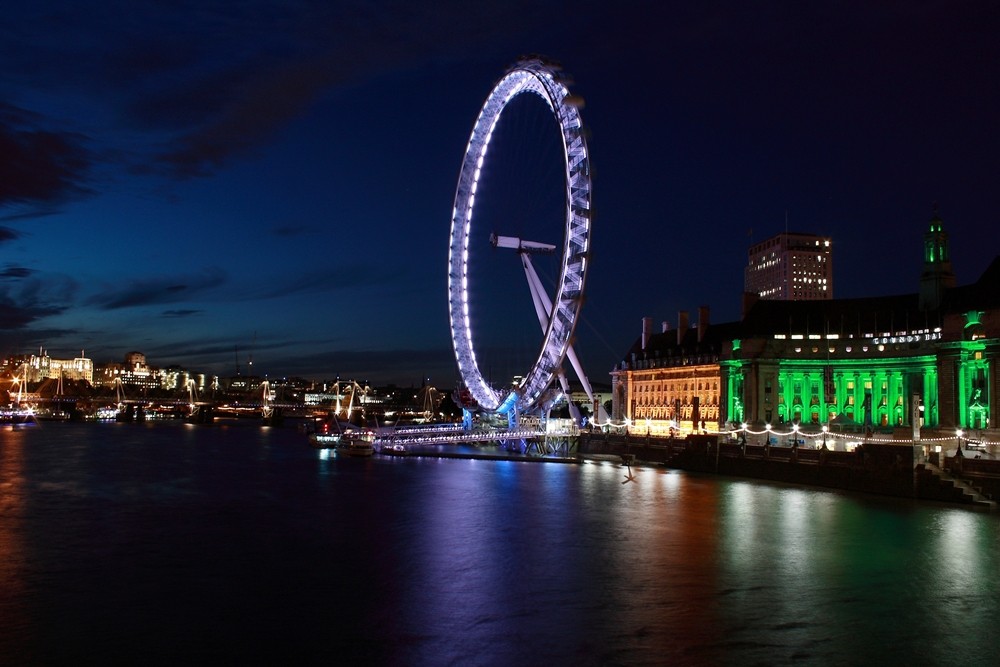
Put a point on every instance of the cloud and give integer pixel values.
(26, 297)
(180, 313)
(289, 231)
(18, 341)
(8, 234)
(159, 290)
(186, 97)
(15, 272)
(263, 70)
(27, 215)
(340, 277)
(37, 165)
(375, 366)
(15, 316)
(255, 111)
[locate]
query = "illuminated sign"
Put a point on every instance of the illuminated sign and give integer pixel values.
(907, 339)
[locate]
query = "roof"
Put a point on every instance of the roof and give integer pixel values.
(859, 316)
(982, 294)
(840, 316)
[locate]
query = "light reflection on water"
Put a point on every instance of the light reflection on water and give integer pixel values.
(237, 543)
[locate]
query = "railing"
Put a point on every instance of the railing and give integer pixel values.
(451, 437)
(972, 466)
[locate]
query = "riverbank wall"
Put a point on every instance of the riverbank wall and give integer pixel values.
(884, 469)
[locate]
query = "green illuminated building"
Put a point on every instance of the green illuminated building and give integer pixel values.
(880, 363)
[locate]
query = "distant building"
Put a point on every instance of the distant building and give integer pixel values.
(134, 372)
(39, 367)
(600, 391)
(175, 378)
(78, 368)
(790, 267)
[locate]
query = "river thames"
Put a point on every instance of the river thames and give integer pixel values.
(165, 543)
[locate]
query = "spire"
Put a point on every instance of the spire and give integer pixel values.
(937, 275)
(935, 223)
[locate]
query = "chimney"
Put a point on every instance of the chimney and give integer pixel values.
(682, 325)
(647, 329)
(749, 299)
(702, 322)
(666, 326)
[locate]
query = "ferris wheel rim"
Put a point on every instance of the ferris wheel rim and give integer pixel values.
(527, 76)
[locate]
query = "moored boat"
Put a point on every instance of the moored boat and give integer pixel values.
(348, 438)
(358, 443)
(17, 416)
(324, 440)
(49, 414)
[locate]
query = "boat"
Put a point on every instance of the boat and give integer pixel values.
(343, 436)
(326, 435)
(17, 416)
(50, 414)
(324, 440)
(357, 443)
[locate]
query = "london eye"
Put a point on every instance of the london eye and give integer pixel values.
(557, 307)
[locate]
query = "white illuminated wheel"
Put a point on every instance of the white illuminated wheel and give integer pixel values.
(540, 78)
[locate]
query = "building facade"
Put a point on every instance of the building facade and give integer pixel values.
(670, 382)
(926, 359)
(790, 266)
(34, 368)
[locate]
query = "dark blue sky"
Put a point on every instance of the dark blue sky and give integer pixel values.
(187, 178)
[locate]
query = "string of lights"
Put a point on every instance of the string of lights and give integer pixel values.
(826, 434)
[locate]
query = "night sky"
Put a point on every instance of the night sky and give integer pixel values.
(213, 182)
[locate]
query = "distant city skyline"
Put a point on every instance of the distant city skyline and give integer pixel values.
(202, 186)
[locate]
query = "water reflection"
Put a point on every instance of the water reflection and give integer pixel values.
(14, 619)
(248, 544)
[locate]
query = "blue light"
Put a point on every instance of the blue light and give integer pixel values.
(508, 403)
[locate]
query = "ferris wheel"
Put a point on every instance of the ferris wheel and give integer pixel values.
(557, 314)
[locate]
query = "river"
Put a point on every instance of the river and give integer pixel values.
(166, 543)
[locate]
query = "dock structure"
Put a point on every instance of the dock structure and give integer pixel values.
(892, 469)
(427, 440)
